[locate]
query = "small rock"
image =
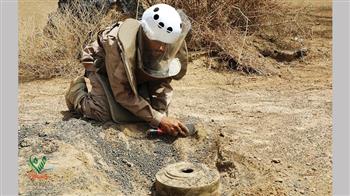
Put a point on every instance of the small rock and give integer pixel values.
(289, 166)
(275, 160)
(42, 134)
(279, 180)
(314, 169)
(212, 120)
(115, 162)
(102, 135)
(48, 139)
(46, 123)
(259, 159)
(100, 162)
(308, 164)
(25, 143)
(127, 163)
(301, 192)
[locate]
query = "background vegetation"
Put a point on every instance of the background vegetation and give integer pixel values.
(232, 33)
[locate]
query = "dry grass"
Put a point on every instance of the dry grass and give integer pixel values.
(224, 29)
(55, 51)
(227, 29)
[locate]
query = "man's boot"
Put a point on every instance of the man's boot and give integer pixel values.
(77, 90)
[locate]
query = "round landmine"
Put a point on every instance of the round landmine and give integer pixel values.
(186, 178)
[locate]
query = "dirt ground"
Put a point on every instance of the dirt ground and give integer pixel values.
(266, 135)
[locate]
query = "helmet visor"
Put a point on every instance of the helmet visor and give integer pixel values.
(158, 59)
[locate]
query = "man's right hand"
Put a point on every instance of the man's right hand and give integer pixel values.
(173, 126)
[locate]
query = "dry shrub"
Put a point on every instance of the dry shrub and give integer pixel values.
(234, 31)
(55, 51)
(231, 31)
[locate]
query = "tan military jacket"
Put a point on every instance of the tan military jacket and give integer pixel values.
(114, 55)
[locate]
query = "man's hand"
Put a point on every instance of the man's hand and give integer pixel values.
(173, 127)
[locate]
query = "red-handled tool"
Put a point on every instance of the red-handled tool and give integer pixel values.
(158, 131)
(155, 132)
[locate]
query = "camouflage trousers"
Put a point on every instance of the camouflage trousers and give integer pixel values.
(99, 104)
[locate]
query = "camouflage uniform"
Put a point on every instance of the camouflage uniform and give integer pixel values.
(120, 90)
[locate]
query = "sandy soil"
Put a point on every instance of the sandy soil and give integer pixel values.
(266, 135)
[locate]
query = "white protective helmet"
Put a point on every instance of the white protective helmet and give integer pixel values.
(162, 22)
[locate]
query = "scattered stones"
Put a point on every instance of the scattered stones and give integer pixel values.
(47, 145)
(285, 55)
